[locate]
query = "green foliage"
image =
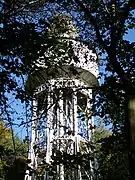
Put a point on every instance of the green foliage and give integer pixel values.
(111, 155)
(8, 154)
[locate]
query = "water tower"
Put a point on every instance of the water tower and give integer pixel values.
(62, 123)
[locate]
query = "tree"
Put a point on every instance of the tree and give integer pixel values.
(10, 154)
(111, 155)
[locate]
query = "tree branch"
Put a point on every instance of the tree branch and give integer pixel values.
(128, 7)
(94, 23)
(115, 38)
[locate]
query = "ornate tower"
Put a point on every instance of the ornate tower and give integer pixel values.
(62, 121)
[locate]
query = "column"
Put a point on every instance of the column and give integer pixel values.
(34, 133)
(61, 133)
(90, 125)
(61, 117)
(90, 118)
(77, 172)
(75, 118)
(49, 130)
(32, 155)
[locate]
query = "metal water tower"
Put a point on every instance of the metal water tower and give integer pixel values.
(62, 121)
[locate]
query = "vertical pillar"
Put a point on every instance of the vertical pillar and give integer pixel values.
(75, 113)
(66, 113)
(32, 155)
(58, 134)
(90, 124)
(61, 133)
(61, 111)
(76, 146)
(71, 115)
(90, 119)
(34, 133)
(49, 130)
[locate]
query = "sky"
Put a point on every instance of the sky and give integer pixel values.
(130, 36)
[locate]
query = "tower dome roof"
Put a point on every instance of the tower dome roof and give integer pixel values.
(66, 57)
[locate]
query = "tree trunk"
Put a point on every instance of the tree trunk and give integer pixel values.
(130, 133)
